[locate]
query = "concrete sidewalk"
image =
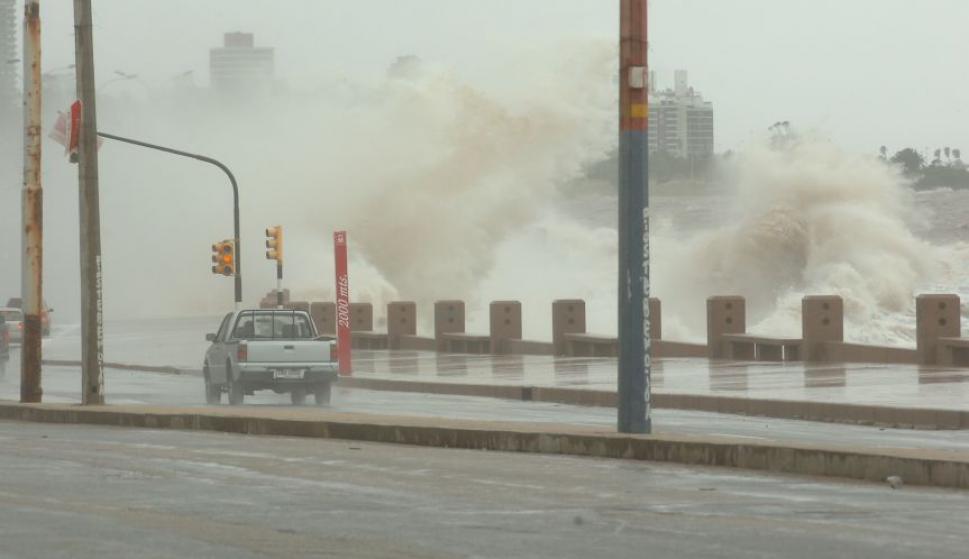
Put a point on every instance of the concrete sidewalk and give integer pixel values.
(941, 468)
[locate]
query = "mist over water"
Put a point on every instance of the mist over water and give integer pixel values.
(810, 219)
(775, 225)
(449, 191)
(428, 174)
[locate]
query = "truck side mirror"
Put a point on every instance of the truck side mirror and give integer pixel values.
(210, 337)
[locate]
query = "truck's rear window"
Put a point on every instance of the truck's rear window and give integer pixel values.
(272, 325)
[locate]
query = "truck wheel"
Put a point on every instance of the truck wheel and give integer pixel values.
(322, 393)
(237, 392)
(298, 396)
(213, 392)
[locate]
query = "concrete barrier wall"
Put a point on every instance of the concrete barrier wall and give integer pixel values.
(568, 317)
(269, 301)
(655, 319)
(505, 323)
(725, 315)
(822, 322)
(324, 316)
(936, 316)
(361, 317)
(401, 321)
(841, 352)
(667, 348)
(297, 306)
(417, 343)
(448, 317)
(527, 347)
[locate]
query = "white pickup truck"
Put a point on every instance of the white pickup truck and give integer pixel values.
(263, 349)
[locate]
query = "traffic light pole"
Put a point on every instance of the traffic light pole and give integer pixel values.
(235, 196)
(279, 284)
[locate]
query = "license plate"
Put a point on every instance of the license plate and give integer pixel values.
(289, 374)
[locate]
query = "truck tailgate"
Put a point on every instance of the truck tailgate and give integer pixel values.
(294, 351)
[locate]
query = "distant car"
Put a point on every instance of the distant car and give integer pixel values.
(15, 302)
(14, 319)
(263, 349)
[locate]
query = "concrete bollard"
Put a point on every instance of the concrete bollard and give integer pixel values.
(324, 316)
(568, 317)
(822, 320)
(725, 315)
(936, 316)
(448, 317)
(401, 321)
(271, 299)
(361, 317)
(505, 324)
(297, 306)
(655, 319)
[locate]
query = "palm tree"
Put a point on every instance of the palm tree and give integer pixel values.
(883, 151)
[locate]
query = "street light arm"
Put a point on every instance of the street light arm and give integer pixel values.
(235, 194)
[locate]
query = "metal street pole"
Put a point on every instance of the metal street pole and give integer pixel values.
(92, 344)
(235, 196)
(279, 284)
(32, 263)
(634, 342)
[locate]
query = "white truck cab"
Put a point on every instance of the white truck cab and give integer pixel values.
(269, 349)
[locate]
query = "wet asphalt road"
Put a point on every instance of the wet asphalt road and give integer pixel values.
(82, 491)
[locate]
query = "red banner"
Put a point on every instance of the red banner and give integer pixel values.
(74, 138)
(343, 340)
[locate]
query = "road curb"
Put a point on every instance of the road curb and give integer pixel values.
(160, 369)
(930, 468)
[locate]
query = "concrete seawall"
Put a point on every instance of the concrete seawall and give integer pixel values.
(860, 414)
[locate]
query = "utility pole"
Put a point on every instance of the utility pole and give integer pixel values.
(92, 344)
(32, 263)
(634, 342)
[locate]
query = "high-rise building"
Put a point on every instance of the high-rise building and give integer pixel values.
(239, 67)
(9, 56)
(680, 121)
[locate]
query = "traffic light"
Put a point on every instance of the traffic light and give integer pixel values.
(274, 243)
(224, 258)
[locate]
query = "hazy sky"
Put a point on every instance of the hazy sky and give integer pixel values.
(863, 72)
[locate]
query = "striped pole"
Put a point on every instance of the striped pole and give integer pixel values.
(634, 342)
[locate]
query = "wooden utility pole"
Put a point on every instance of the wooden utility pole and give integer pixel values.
(92, 345)
(32, 263)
